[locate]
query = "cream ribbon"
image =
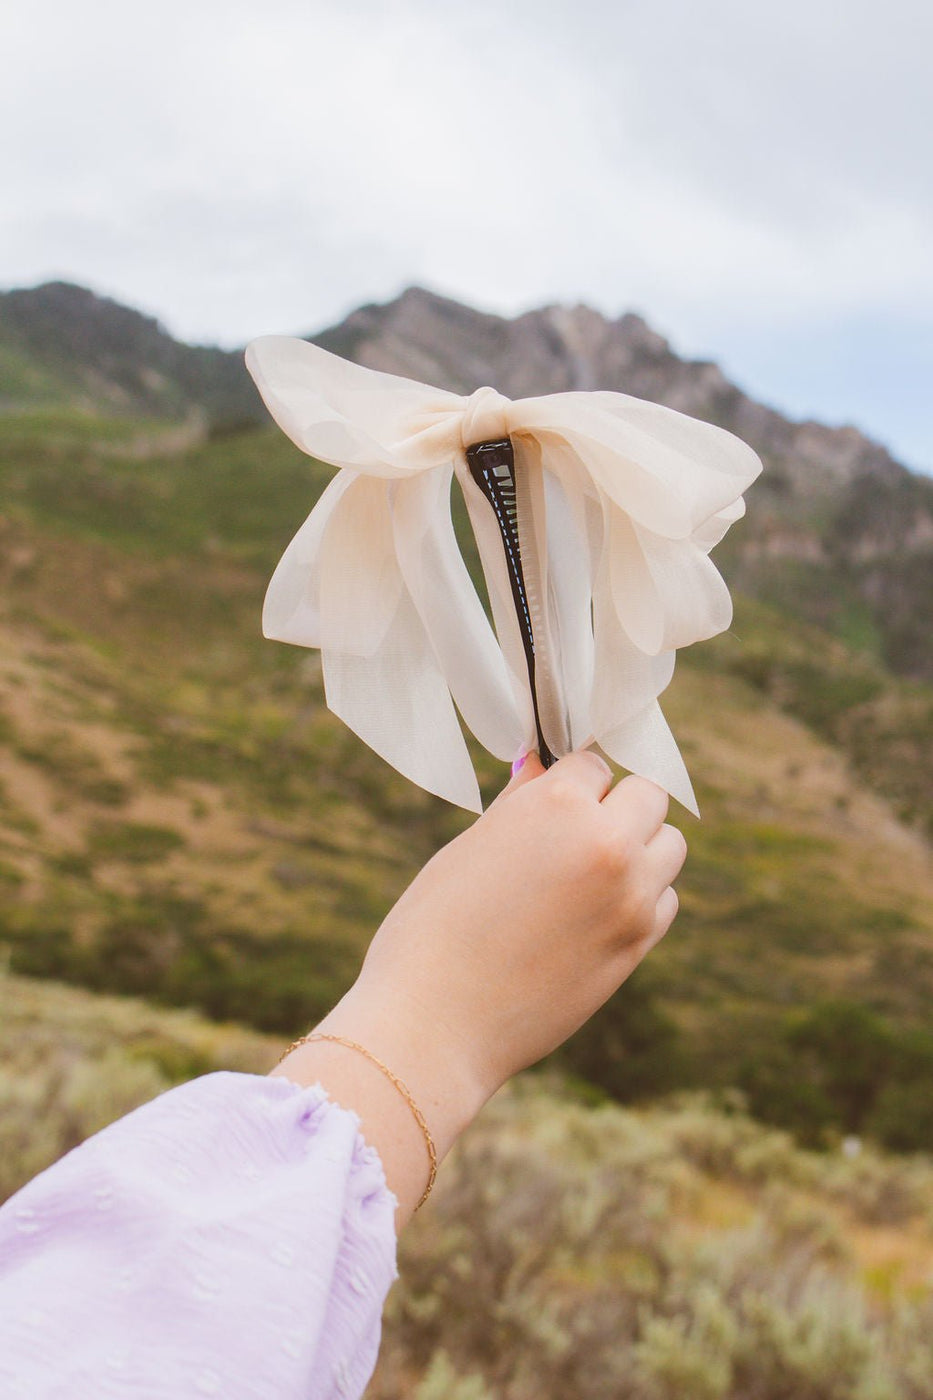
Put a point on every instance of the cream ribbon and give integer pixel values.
(620, 502)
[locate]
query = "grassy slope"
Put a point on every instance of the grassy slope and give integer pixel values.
(567, 1250)
(72, 1061)
(181, 816)
(659, 1255)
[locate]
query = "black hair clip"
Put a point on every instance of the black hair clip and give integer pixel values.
(492, 467)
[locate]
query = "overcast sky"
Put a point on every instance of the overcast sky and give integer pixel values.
(754, 178)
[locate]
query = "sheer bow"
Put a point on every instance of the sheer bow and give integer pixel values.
(619, 502)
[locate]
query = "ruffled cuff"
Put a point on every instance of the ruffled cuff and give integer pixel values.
(234, 1237)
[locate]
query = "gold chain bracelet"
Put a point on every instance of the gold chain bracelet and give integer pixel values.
(399, 1084)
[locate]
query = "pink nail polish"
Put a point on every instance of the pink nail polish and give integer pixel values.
(518, 764)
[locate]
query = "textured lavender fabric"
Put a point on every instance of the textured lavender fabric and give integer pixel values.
(233, 1238)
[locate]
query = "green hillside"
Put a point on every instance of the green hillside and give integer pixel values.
(181, 817)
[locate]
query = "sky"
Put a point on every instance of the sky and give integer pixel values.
(753, 178)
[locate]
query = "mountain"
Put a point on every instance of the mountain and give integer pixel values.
(62, 344)
(837, 529)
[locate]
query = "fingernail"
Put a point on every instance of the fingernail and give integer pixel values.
(518, 764)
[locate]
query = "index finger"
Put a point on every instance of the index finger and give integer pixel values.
(638, 806)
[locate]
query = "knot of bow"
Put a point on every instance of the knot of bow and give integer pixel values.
(484, 417)
(619, 503)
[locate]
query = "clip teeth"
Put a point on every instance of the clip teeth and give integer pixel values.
(492, 467)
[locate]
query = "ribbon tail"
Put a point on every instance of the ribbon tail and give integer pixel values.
(291, 610)
(569, 590)
(381, 676)
(645, 745)
(489, 544)
(534, 530)
(627, 719)
(459, 632)
(337, 585)
(397, 702)
(667, 594)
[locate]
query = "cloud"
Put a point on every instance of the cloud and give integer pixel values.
(722, 167)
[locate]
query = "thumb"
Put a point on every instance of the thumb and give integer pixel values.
(527, 769)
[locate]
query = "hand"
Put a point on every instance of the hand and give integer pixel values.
(511, 937)
(516, 932)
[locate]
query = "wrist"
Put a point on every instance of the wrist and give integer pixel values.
(416, 1046)
(435, 1077)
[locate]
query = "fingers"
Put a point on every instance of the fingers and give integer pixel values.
(583, 769)
(638, 807)
(667, 851)
(664, 916)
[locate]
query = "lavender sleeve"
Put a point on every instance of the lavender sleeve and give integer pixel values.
(235, 1238)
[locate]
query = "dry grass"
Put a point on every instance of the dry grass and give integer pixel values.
(663, 1254)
